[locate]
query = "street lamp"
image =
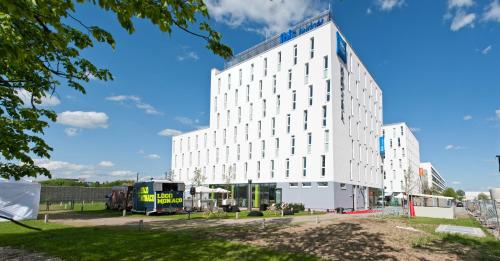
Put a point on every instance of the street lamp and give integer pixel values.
(498, 157)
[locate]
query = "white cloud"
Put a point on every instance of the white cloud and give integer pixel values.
(467, 117)
(368, 11)
(83, 119)
(190, 55)
(168, 132)
(186, 120)
(456, 182)
(388, 5)
(460, 3)
(106, 163)
(122, 173)
(497, 113)
(141, 151)
(487, 49)
(136, 101)
(461, 20)
(47, 100)
(71, 132)
(492, 12)
(54, 165)
(269, 16)
(453, 147)
(152, 156)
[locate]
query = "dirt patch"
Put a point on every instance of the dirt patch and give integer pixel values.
(13, 254)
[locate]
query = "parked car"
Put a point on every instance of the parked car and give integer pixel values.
(460, 204)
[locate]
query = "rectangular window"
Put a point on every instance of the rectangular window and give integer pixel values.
(325, 66)
(215, 103)
(258, 169)
(260, 89)
(294, 99)
(278, 104)
(251, 72)
(310, 95)
(288, 122)
(229, 81)
(324, 116)
(279, 61)
(309, 142)
(259, 129)
(311, 52)
(239, 115)
(246, 170)
(327, 140)
(225, 101)
(224, 137)
(263, 148)
(240, 75)
(294, 184)
(227, 153)
(238, 152)
(264, 108)
(323, 165)
(276, 147)
(274, 83)
(249, 150)
(236, 97)
(205, 140)
(290, 79)
(304, 166)
(351, 174)
(401, 130)
(273, 126)
(218, 85)
(248, 93)
(287, 168)
(323, 184)
(235, 134)
(328, 90)
(272, 168)
(217, 155)
(246, 131)
(305, 120)
(215, 138)
(250, 112)
(265, 66)
(294, 54)
(292, 152)
(228, 118)
(306, 73)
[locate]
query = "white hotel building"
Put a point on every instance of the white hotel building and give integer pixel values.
(435, 181)
(402, 153)
(299, 115)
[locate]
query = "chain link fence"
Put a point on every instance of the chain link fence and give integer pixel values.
(487, 212)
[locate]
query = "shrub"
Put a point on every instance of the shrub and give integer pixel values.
(255, 214)
(297, 207)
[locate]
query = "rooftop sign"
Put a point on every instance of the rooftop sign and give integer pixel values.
(292, 33)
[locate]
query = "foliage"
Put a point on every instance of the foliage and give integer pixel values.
(198, 178)
(40, 49)
(78, 183)
(482, 196)
(100, 243)
(449, 192)
(297, 207)
(460, 194)
(170, 175)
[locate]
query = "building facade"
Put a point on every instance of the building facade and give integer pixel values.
(299, 116)
(434, 181)
(401, 156)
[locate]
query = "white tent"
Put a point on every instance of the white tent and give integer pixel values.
(19, 199)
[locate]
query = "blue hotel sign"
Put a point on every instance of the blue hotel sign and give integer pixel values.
(341, 48)
(382, 146)
(292, 33)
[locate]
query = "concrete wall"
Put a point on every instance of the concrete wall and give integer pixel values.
(435, 212)
(314, 197)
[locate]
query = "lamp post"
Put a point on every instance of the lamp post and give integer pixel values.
(249, 195)
(498, 157)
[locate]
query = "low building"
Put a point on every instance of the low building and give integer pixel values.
(434, 181)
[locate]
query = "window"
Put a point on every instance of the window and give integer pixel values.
(259, 129)
(224, 137)
(238, 152)
(294, 184)
(225, 101)
(272, 168)
(235, 134)
(258, 169)
(311, 52)
(215, 103)
(399, 142)
(323, 165)
(390, 143)
(218, 86)
(251, 72)
(306, 184)
(229, 81)
(323, 184)
(351, 174)
(205, 140)
(310, 95)
(246, 131)
(240, 80)
(227, 153)
(306, 73)
(401, 130)
(260, 89)
(276, 147)
(290, 79)
(294, 54)
(343, 186)
(279, 61)
(403, 152)
(292, 145)
(350, 127)
(236, 97)
(305, 120)
(249, 150)
(217, 155)
(239, 115)
(215, 138)
(400, 163)
(287, 168)
(327, 140)
(246, 170)
(294, 99)
(324, 116)
(304, 166)
(196, 142)
(325, 66)
(263, 148)
(250, 112)
(288, 121)
(265, 66)
(309, 142)
(228, 118)
(328, 90)
(274, 83)
(278, 104)
(273, 126)
(248, 93)
(264, 108)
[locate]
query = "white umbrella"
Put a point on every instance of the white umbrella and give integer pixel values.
(221, 190)
(203, 189)
(400, 196)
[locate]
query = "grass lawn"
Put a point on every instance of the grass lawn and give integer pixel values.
(242, 215)
(487, 248)
(93, 243)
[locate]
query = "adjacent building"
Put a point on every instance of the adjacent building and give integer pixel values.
(297, 119)
(401, 160)
(434, 182)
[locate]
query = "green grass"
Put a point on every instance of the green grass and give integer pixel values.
(97, 243)
(242, 215)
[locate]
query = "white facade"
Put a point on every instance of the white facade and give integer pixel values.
(402, 153)
(434, 179)
(283, 117)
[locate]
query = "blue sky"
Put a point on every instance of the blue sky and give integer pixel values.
(437, 63)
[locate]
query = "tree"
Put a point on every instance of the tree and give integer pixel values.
(460, 194)
(170, 175)
(229, 176)
(40, 45)
(198, 178)
(410, 185)
(449, 192)
(482, 196)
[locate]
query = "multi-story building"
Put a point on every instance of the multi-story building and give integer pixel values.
(299, 115)
(401, 160)
(434, 181)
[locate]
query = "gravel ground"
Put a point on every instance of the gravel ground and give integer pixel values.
(12, 254)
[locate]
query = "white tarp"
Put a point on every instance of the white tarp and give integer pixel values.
(19, 199)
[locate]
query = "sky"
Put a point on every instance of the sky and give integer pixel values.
(437, 63)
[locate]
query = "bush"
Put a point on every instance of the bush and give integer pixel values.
(288, 212)
(255, 214)
(297, 207)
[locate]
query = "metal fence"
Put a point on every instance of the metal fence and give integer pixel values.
(487, 212)
(62, 194)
